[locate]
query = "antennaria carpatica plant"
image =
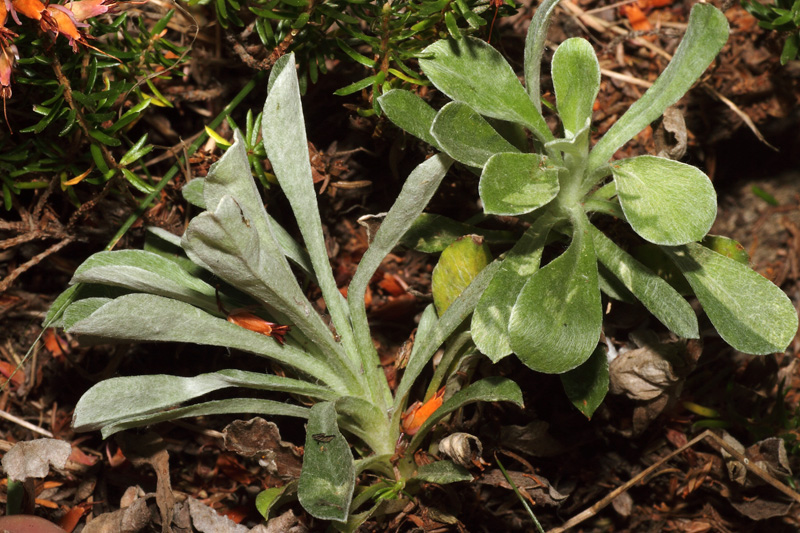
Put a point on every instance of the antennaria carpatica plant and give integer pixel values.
(550, 316)
(235, 241)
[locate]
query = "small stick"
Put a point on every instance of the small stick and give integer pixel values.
(707, 434)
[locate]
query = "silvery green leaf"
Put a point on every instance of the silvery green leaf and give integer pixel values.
(534, 48)
(81, 309)
(216, 407)
(429, 339)
(471, 71)
(576, 144)
(145, 317)
(556, 321)
(144, 271)
(442, 473)
(576, 80)
(586, 386)
(193, 193)
(168, 245)
(664, 201)
(55, 315)
(328, 477)
(417, 191)
(410, 113)
(514, 184)
(705, 36)
(366, 421)
(285, 141)
(658, 296)
(493, 389)
(433, 233)
(290, 247)
(228, 243)
(135, 396)
(750, 313)
(466, 136)
(489, 326)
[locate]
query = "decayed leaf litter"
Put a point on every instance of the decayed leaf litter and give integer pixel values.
(666, 372)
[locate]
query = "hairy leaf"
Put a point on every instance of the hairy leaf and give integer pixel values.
(471, 71)
(666, 202)
(587, 385)
(466, 136)
(705, 36)
(328, 476)
(576, 80)
(492, 314)
(556, 321)
(515, 184)
(657, 295)
(750, 313)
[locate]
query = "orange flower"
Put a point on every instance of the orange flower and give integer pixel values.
(247, 320)
(30, 8)
(60, 20)
(418, 413)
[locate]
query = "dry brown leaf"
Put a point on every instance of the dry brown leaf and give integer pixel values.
(33, 458)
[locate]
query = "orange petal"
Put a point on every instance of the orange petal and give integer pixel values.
(418, 413)
(30, 8)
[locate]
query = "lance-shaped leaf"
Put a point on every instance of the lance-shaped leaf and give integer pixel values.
(417, 191)
(664, 201)
(216, 407)
(168, 245)
(410, 113)
(514, 184)
(556, 321)
(587, 385)
(442, 473)
(466, 136)
(366, 421)
(328, 476)
(135, 396)
(576, 80)
(285, 140)
(293, 251)
(436, 332)
(81, 309)
(457, 267)
(750, 313)
(233, 250)
(433, 233)
(492, 314)
(493, 389)
(471, 71)
(706, 34)
(143, 271)
(145, 317)
(658, 296)
(534, 48)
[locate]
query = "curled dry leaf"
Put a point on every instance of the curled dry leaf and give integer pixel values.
(33, 458)
(261, 439)
(129, 519)
(464, 449)
(206, 520)
(670, 135)
(652, 375)
(537, 487)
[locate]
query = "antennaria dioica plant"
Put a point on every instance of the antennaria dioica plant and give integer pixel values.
(551, 316)
(167, 292)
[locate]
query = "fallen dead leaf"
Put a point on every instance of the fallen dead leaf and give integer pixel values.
(33, 458)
